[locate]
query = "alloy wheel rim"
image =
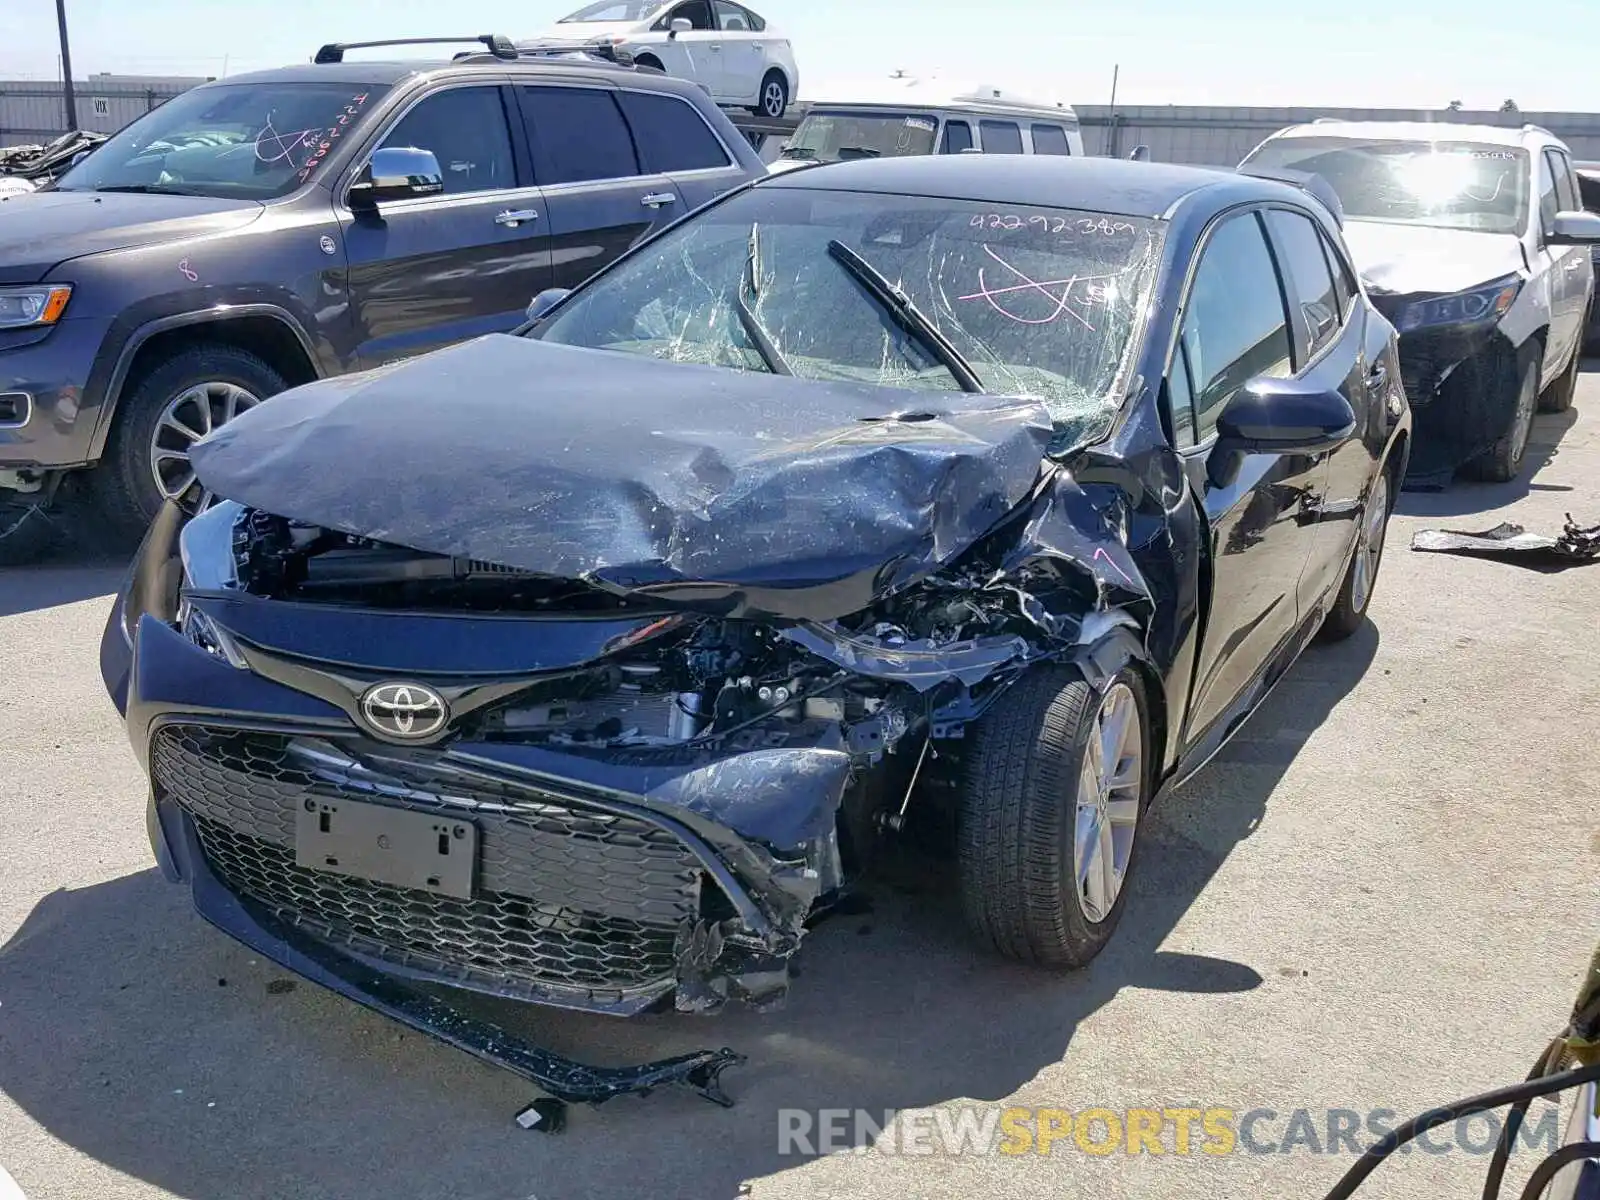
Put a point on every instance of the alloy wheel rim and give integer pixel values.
(773, 99)
(189, 416)
(1107, 816)
(1527, 400)
(1374, 523)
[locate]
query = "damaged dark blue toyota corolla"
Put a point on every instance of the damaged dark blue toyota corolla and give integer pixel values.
(585, 666)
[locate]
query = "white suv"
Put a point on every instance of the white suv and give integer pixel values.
(728, 50)
(1471, 239)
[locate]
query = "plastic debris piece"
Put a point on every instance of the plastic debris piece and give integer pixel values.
(546, 1115)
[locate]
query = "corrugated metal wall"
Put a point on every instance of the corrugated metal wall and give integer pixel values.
(33, 111)
(1220, 137)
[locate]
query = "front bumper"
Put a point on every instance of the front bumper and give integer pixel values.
(52, 367)
(1462, 387)
(610, 883)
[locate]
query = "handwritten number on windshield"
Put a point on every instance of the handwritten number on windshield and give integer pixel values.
(320, 141)
(1039, 223)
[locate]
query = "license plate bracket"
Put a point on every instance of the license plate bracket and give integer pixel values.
(427, 851)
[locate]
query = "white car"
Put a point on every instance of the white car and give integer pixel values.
(724, 47)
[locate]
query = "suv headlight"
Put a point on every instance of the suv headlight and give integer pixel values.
(1486, 303)
(25, 307)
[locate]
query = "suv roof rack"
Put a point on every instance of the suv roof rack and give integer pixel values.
(499, 45)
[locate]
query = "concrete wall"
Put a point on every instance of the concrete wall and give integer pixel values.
(33, 110)
(1220, 137)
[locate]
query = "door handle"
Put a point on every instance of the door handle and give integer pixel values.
(516, 216)
(657, 199)
(1378, 378)
(715, 47)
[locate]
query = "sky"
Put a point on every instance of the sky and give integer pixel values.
(1360, 53)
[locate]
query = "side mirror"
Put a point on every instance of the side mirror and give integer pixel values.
(1277, 416)
(679, 25)
(395, 173)
(1574, 229)
(1140, 154)
(541, 304)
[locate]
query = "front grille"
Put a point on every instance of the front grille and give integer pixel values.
(573, 903)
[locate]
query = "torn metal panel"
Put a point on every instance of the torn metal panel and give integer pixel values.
(1512, 543)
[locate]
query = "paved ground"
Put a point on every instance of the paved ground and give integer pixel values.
(1381, 896)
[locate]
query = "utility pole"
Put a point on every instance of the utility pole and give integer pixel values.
(66, 69)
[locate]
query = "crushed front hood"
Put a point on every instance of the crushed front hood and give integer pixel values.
(751, 493)
(1405, 259)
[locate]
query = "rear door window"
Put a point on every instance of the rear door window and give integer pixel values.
(579, 135)
(1050, 139)
(1344, 286)
(1000, 137)
(670, 134)
(1305, 267)
(957, 137)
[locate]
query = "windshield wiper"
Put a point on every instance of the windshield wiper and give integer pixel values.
(146, 189)
(845, 152)
(910, 318)
(765, 347)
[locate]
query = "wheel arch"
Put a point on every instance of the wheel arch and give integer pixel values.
(262, 329)
(1100, 660)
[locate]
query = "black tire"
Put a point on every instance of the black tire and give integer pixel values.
(1350, 610)
(27, 531)
(1018, 809)
(124, 485)
(778, 100)
(1502, 462)
(1558, 396)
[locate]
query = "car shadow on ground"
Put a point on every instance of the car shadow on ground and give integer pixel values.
(136, 1035)
(50, 584)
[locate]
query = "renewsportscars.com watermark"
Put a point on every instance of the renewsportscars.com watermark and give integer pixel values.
(1176, 1130)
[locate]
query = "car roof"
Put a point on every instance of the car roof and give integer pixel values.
(1110, 185)
(1419, 131)
(935, 93)
(397, 71)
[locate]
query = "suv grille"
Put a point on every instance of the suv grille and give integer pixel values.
(574, 905)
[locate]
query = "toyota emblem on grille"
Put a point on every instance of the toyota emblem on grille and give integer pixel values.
(404, 710)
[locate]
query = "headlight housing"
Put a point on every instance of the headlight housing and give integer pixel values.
(1486, 303)
(39, 304)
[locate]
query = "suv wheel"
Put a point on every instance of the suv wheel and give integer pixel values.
(773, 100)
(191, 394)
(1502, 462)
(1056, 784)
(1558, 396)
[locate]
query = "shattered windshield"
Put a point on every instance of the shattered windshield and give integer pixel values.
(1449, 185)
(253, 141)
(1038, 302)
(833, 136)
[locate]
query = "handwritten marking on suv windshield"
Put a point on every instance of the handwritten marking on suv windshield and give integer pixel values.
(1040, 223)
(1093, 292)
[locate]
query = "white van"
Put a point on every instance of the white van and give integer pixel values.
(904, 115)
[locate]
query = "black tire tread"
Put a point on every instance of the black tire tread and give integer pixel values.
(1557, 398)
(1011, 846)
(116, 481)
(1495, 465)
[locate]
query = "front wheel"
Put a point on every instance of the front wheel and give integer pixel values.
(1355, 593)
(773, 100)
(178, 403)
(1502, 462)
(1055, 788)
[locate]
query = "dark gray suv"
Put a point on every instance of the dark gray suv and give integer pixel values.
(266, 230)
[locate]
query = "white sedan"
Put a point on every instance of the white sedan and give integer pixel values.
(724, 47)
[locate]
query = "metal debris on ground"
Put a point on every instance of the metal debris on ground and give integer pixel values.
(1513, 543)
